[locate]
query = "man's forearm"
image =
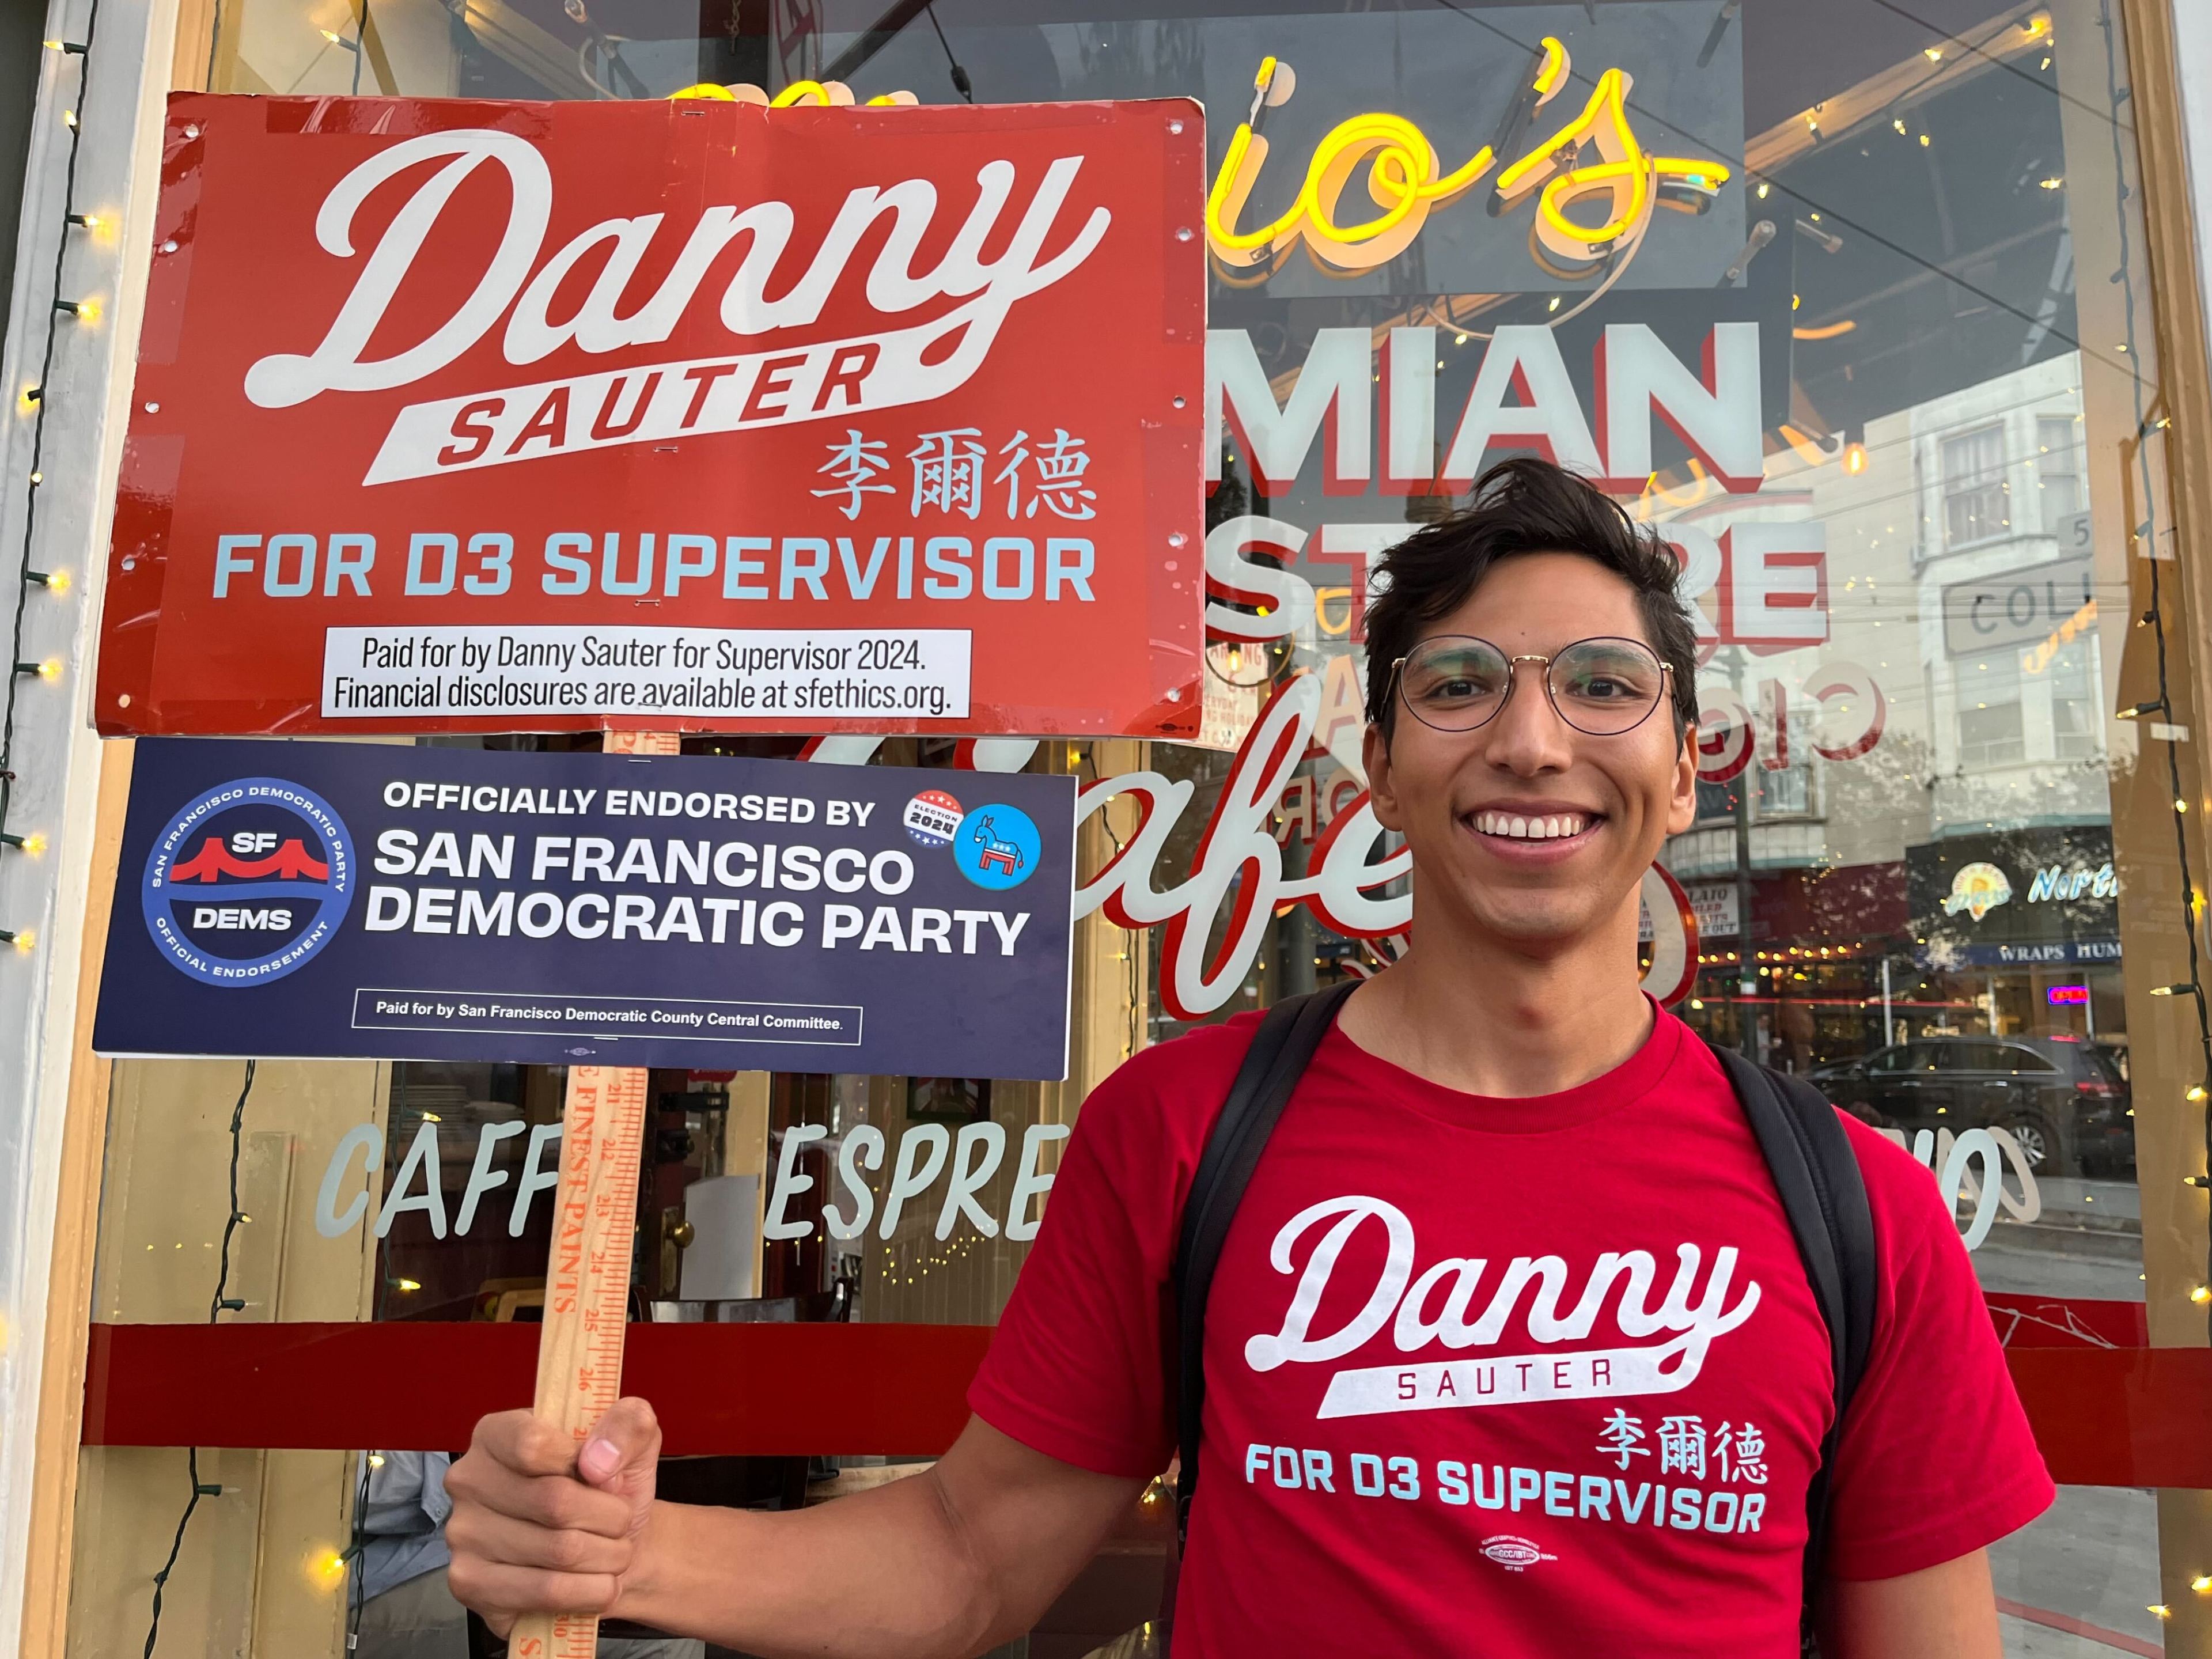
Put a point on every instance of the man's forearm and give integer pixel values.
(786, 1585)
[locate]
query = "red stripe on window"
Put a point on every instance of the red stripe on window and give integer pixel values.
(2104, 1417)
(2119, 1417)
(765, 1389)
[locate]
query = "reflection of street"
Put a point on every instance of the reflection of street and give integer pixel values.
(2086, 1242)
(2046, 1273)
(2079, 1583)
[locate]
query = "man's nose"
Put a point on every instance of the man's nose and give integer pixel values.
(1528, 737)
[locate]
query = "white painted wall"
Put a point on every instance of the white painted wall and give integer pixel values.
(87, 393)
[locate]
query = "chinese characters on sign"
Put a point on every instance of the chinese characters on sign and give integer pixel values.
(948, 469)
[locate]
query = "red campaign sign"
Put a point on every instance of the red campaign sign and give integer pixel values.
(478, 416)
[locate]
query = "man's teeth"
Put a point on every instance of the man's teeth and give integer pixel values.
(1527, 828)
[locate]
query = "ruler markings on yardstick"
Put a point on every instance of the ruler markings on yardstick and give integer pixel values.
(579, 1347)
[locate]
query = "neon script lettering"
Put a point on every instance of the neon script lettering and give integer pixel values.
(1406, 179)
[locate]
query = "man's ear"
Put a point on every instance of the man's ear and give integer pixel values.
(1381, 787)
(1682, 804)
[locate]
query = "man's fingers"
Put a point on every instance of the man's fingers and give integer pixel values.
(557, 1501)
(488, 1535)
(521, 1441)
(627, 1438)
(501, 1592)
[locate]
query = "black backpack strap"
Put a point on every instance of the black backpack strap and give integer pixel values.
(1823, 1192)
(1289, 1033)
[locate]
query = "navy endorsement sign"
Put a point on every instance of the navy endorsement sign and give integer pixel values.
(368, 901)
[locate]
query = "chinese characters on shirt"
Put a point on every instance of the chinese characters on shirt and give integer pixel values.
(1735, 1452)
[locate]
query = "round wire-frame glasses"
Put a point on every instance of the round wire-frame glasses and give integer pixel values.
(1602, 687)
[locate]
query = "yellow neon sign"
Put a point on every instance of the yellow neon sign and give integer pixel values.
(1406, 179)
(806, 95)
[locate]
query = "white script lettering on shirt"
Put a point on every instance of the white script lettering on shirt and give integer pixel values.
(1434, 1308)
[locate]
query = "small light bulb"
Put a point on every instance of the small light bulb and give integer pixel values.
(2201, 1294)
(1924, 140)
(409, 1284)
(2180, 806)
(50, 669)
(2160, 1609)
(68, 119)
(35, 843)
(1554, 306)
(58, 582)
(2202, 1583)
(1933, 54)
(2195, 1091)
(23, 939)
(2053, 184)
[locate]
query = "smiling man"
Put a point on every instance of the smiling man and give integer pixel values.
(1509, 1349)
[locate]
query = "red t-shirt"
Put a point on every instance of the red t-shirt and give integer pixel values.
(1529, 1377)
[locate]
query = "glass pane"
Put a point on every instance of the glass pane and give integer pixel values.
(1915, 813)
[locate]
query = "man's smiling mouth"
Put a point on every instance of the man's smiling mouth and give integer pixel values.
(1532, 826)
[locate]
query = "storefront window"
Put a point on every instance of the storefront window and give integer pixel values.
(1974, 486)
(1829, 356)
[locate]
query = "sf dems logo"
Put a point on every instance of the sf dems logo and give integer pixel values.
(248, 881)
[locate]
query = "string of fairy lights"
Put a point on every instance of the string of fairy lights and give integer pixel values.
(34, 585)
(2165, 728)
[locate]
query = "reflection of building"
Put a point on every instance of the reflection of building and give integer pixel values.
(2016, 921)
(2007, 605)
(1959, 581)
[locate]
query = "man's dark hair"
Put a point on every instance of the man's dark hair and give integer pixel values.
(1525, 506)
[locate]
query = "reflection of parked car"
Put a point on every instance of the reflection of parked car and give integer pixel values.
(2065, 1101)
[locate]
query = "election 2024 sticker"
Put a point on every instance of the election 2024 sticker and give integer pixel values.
(997, 846)
(933, 818)
(248, 881)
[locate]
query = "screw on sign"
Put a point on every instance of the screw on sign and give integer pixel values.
(579, 1347)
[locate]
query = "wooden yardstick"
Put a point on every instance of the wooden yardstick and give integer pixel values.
(579, 1347)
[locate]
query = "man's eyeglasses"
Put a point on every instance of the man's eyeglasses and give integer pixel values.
(1602, 687)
